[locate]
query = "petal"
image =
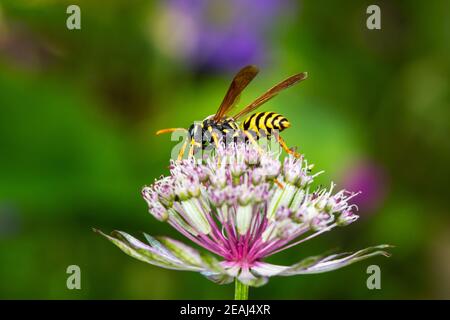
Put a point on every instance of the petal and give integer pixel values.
(182, 251)
(244, 216)
(217, 277)
(158, 255)
(196, 216)
(247, 278)
(170, 254)
(211, 262)
(318, 264)
(267, 269)
(329, 263)
(216, 272)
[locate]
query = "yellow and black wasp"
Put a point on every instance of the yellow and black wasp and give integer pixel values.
(252, 128)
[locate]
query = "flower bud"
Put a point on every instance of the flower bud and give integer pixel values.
(346, 217)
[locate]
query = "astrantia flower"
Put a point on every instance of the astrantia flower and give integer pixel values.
(243, 205)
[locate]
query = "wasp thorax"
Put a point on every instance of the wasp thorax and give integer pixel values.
(210, 131)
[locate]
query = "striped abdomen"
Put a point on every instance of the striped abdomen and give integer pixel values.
(265, 122)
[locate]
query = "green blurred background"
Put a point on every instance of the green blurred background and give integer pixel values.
(79, 108)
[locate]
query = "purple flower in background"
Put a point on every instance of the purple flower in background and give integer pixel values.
(216, 34)
(22, 47)
(371, 179)
(244, 205)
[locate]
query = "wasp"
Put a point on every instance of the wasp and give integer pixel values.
(259, 124)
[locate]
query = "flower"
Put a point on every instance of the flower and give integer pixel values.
(217, 35)
(372, 179)
(242, 204)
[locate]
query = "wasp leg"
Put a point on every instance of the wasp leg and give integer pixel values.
(216, 139)
(285, 147)
(278, 183)
(182, 150)
(192, 146)
(260, 150)
(191, 150)
(216, 143)
(253, 141)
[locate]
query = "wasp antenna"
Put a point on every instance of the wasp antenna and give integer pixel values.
(169, 130)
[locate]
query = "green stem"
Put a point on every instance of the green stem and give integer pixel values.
(240, 290)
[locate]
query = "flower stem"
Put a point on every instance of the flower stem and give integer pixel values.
(240, 290)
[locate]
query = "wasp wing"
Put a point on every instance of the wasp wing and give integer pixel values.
(272, 92)
(240, 81)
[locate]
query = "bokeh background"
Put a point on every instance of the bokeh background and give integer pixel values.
(79, 108)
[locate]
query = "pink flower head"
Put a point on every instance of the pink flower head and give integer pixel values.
(243, 205)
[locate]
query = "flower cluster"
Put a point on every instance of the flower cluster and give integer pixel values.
(243, 204)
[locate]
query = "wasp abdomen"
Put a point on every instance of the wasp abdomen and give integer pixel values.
(265, 121)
